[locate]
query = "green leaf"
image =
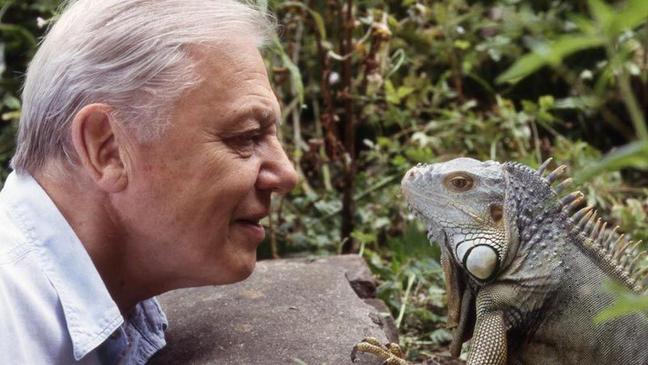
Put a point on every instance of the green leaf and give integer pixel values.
(295, 73)
(6, 117)
(403, 91)
(11, 102)
(635, 13)
(461, 44)
(363, 237)
(3, 65)
(631, 155)
(20, 31)
(601, 12)
(549, 54)
(625, 304)
(546, 101)
(391, 94)
(577, 102)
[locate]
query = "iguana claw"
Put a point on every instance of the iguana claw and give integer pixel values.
(390, 353)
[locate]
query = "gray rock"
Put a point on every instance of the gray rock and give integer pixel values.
(286, 312)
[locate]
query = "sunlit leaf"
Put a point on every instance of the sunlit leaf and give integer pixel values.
(632, 155)
(602, 12)
(364, 237)
(403, 91)
(577, 102)
(634, 13)
(15, 115)
(549, 54)
(391, 94)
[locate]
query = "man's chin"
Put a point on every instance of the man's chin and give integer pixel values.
(246, 270)
(241, 267)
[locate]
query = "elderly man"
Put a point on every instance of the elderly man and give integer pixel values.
(147, 154)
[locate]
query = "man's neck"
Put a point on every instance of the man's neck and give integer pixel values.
(91, 215)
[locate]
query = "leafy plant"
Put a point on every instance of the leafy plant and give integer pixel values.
(611, 30)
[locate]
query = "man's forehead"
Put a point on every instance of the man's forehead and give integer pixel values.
(232, 50)
(234, 72)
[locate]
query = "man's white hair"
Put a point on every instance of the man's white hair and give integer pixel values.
(130, 54)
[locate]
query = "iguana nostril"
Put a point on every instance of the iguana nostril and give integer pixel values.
(481, 262)
(406, 179)
(417, 173)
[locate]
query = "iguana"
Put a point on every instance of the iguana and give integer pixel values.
(525, 266)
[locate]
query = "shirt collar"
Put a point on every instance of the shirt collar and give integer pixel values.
(91, 314)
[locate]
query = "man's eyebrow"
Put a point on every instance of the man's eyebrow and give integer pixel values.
(265, 116)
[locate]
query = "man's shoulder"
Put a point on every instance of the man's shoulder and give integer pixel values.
(23, 283)
(33, 328)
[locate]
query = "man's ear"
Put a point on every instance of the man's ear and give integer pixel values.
(94, 132)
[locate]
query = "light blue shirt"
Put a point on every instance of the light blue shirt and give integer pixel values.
(54, 307)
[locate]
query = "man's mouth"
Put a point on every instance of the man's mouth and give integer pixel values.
(254, 222)
(252, 226)
(253, 218)
(252, 229)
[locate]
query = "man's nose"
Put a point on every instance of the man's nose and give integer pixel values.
(277, 173)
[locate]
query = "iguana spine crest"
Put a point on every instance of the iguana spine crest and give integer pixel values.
(611, 249)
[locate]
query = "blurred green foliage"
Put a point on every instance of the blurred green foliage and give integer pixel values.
(425, 81)
(21, 25)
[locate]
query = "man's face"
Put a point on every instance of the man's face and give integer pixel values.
(198, 193)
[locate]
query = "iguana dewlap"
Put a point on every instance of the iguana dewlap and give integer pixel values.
(525, 267)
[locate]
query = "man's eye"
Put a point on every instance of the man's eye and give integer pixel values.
(245, 141)
(245, 144)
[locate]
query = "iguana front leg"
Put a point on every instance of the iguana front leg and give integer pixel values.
(489, 345)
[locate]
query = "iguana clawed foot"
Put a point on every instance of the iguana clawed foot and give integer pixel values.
(390, 353)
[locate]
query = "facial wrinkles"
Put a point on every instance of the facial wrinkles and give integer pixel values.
(254, 99)
(250, 113)
(261, 105)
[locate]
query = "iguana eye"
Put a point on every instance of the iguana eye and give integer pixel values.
(459, 182)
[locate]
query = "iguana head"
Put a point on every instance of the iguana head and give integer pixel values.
(463, 203)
